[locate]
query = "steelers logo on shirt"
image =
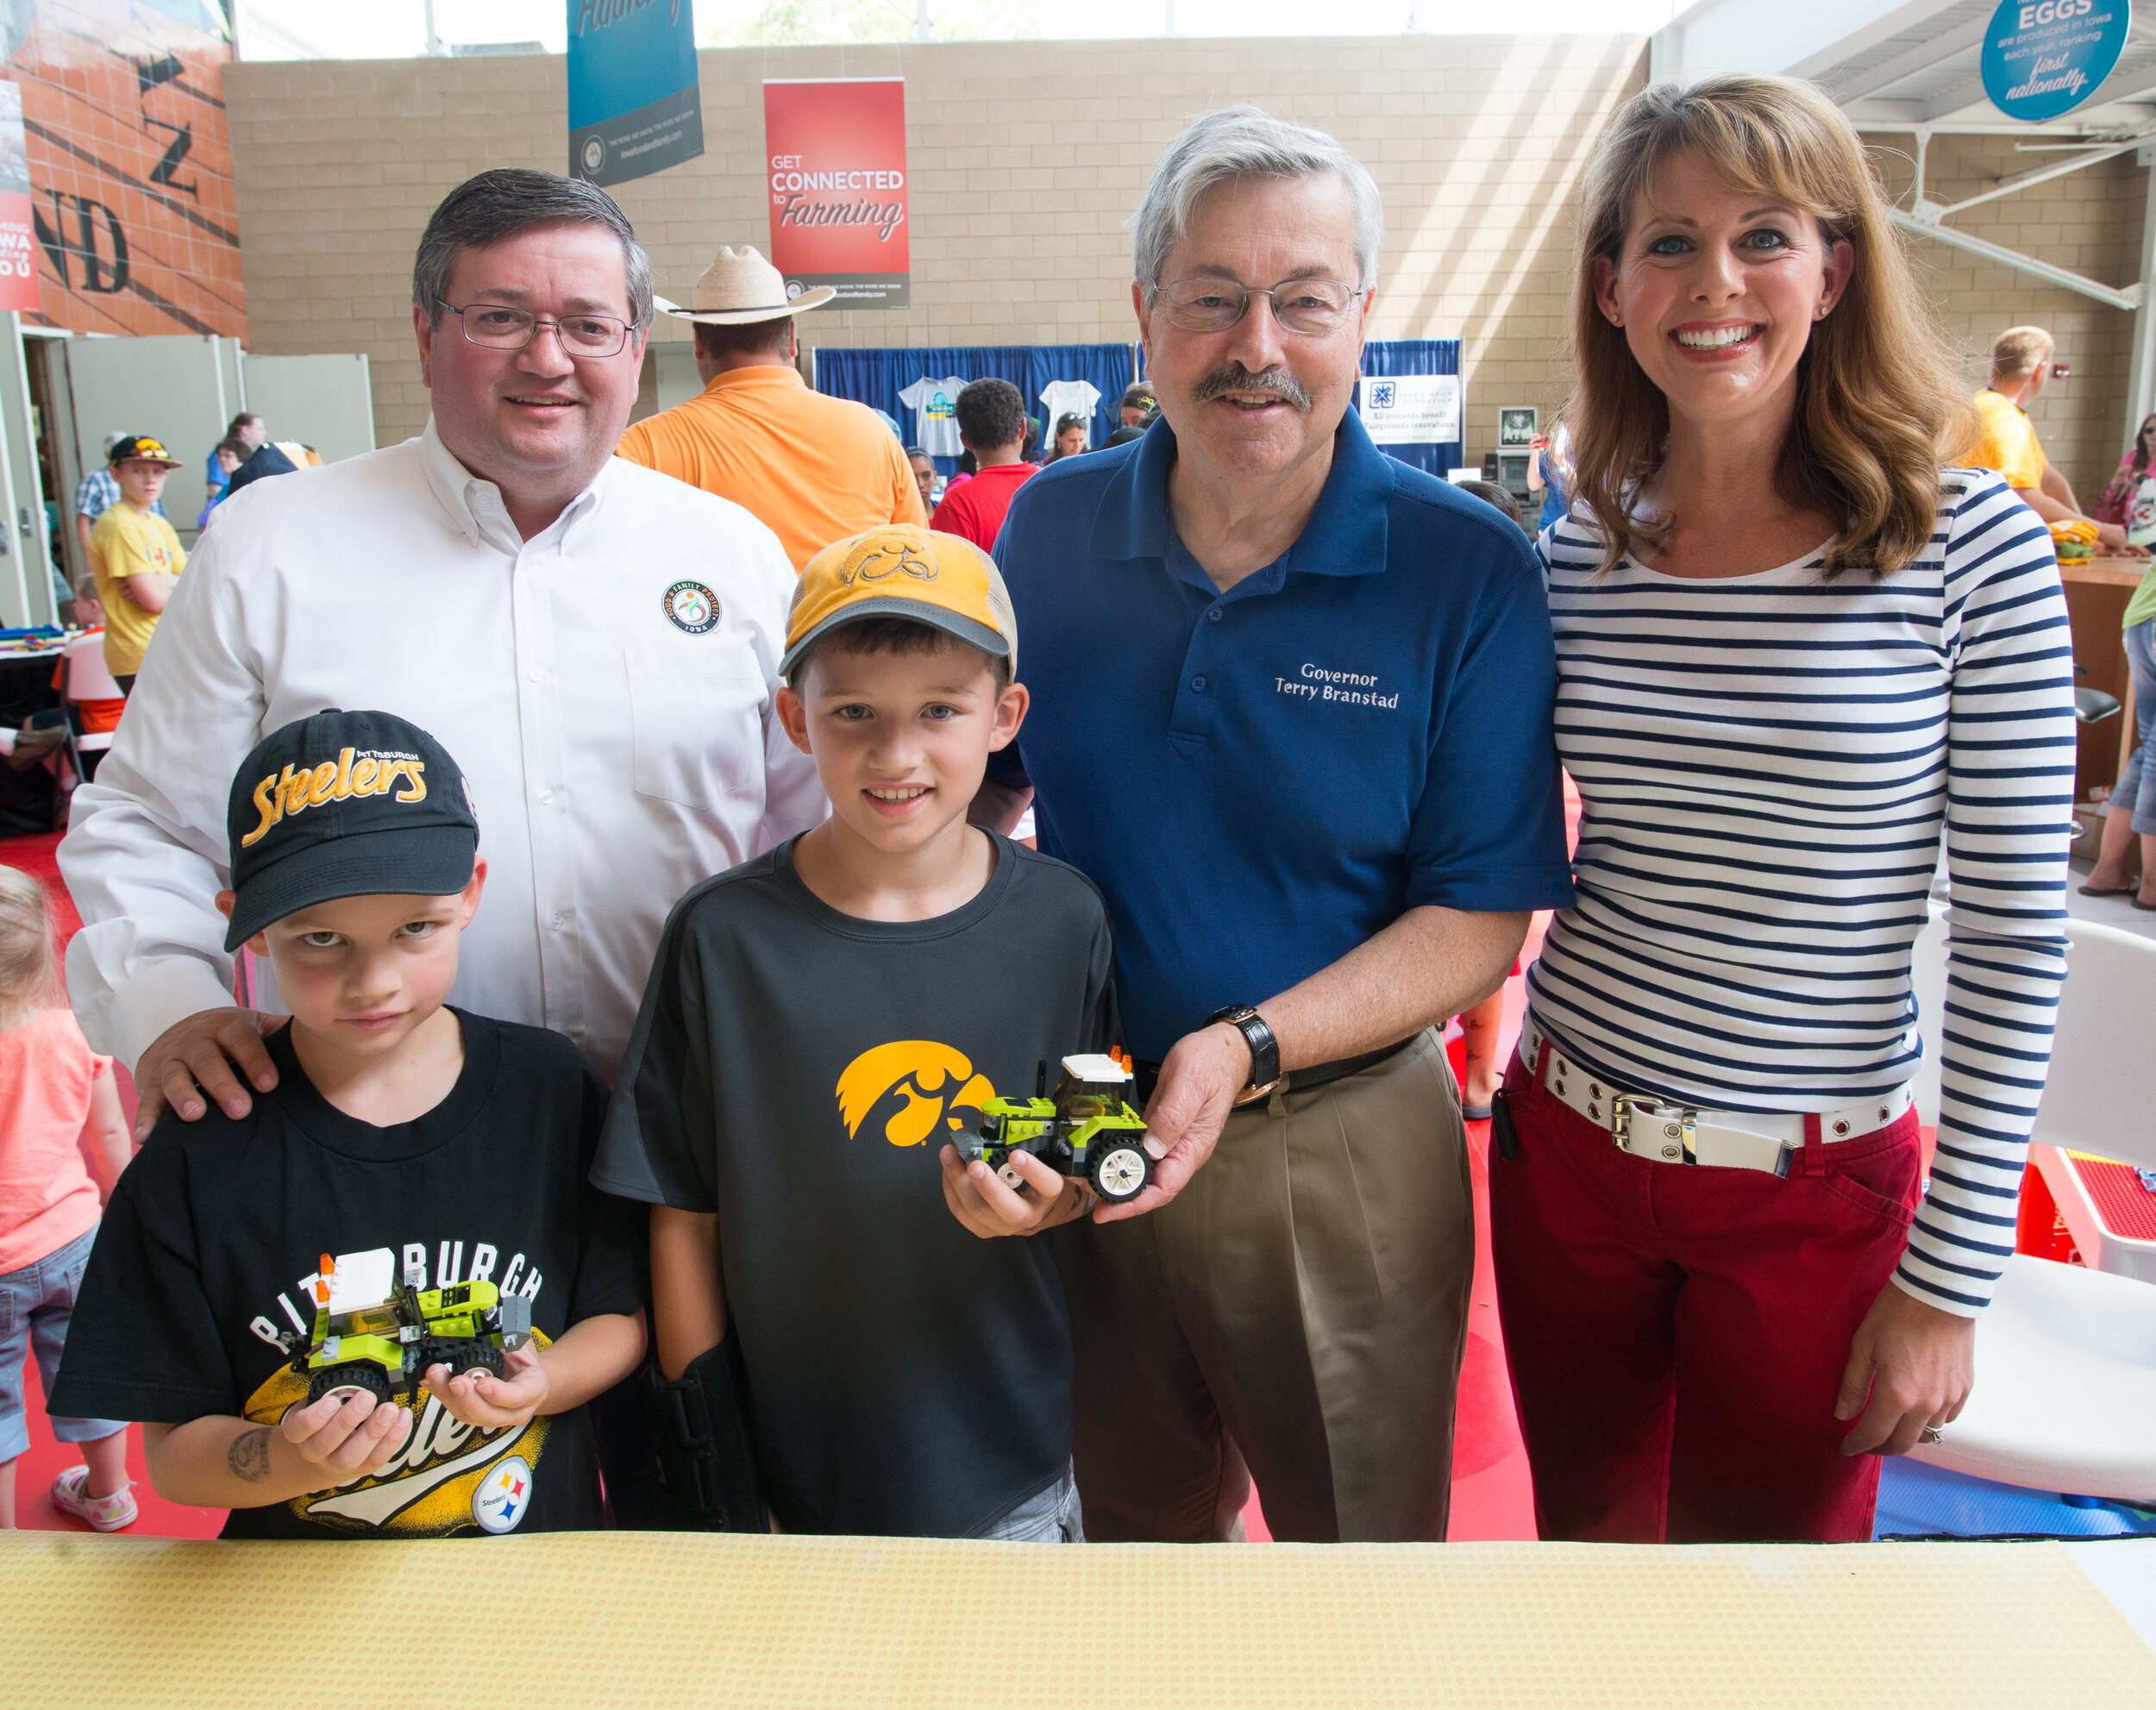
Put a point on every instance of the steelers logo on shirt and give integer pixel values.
(691, 607)
(498, 1503)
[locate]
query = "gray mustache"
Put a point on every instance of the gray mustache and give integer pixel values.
(1239, 379)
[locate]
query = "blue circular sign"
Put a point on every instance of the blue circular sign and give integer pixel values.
(2042, 58)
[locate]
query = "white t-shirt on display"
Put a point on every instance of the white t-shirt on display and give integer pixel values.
(934, 407)
(1068, 398)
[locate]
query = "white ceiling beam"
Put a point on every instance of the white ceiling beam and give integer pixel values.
(1921, 58)
(1986, 120)
(2110, 295)
(2037, 175)
(1742, 35)
(1955, 96)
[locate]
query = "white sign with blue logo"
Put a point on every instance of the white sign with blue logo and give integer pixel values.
(1411, 409)
(2043, 57)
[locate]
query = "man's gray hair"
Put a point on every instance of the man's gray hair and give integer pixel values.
(498, 205)
(1238, 142)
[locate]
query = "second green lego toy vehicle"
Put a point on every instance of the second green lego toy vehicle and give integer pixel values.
(1086, 1130)
(372, 1337)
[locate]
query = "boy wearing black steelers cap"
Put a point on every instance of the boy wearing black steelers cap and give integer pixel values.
(407, 1141)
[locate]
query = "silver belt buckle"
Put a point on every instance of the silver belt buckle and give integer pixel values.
(1673, 1133)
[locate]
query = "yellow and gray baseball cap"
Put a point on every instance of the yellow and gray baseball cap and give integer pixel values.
(902, 570)
(146, 447)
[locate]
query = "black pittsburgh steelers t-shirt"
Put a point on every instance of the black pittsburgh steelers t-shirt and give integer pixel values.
(797, 1071)
(204, 1266)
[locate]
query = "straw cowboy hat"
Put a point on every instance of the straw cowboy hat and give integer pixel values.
(740, 287)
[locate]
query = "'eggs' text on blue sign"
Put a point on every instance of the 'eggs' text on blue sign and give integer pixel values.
(2042, 58)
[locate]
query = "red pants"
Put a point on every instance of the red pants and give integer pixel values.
(1677, 1333)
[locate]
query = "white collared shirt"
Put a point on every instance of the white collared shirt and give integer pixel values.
(606, 687)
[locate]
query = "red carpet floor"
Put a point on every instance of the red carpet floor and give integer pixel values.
(34, 1473)
(1491, 1497)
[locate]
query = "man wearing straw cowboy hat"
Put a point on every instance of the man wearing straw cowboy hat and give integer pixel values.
(814, 469)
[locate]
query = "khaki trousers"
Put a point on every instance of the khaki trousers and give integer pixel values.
(1297, 1312)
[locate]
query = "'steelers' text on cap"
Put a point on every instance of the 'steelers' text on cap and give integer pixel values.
(902, 570)
(345, 805)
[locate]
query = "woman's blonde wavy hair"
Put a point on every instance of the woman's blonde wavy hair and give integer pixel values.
(1878, 408)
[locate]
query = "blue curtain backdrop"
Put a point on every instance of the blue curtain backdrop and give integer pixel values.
(877, 376)
(1419, 356)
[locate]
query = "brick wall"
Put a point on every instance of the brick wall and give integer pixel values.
(2090, 221)
(1024, 161)
(1026, 158)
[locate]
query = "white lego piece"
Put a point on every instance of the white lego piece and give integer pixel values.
(361, 1280)
(1091, 1066)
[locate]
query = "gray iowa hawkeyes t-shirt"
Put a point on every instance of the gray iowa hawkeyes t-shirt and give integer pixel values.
(797, 1071)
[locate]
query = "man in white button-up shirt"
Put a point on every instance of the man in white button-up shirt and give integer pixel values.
(598, 646)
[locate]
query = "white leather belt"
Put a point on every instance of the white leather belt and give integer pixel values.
(1670, 1132)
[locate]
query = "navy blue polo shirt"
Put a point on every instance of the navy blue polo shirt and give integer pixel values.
(1260, 780)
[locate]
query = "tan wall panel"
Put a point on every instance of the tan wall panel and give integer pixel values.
(2090, 221)
(1024, 159)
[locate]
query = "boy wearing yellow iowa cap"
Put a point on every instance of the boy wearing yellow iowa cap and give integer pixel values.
(134, 556)
(839, 1343)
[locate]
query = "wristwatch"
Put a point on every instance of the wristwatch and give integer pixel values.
(1264, 1048)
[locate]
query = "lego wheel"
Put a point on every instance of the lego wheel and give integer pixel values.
(467, 1358)
(1121, 1172)
(347, 1380)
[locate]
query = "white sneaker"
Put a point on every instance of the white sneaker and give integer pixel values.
(104, 1514)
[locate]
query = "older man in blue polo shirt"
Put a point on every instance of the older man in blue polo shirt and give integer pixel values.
(1291, 713)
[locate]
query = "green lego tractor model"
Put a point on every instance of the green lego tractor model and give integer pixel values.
(1086, 1130)
(372, 1337)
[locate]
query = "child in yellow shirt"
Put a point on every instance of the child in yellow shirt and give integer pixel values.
(135, 554)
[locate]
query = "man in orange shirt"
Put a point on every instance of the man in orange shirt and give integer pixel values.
(813, 469)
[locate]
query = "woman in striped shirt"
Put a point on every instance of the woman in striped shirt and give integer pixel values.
(1791, 651)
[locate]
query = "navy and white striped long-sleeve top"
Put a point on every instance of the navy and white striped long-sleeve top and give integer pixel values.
(1765, 763)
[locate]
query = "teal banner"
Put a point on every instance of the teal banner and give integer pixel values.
(634, 106)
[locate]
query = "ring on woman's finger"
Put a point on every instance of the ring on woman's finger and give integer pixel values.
(1932, 1434)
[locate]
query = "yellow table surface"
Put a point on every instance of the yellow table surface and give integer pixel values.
(624, 1618)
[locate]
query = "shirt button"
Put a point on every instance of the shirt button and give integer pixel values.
(1198, 684)
(534, 673)
(1214, 614)
(545, 798)
(554, 921)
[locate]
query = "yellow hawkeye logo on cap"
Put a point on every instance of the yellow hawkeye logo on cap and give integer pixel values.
(881, 561)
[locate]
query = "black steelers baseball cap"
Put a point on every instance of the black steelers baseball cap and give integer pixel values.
(345, 805)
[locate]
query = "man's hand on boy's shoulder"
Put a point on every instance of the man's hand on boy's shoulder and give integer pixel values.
(197, 1056)
(980, 1198)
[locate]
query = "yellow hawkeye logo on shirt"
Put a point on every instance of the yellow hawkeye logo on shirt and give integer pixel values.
(351, 773)
(916, 1070)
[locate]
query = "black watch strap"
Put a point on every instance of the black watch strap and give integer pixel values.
(1264, 1048)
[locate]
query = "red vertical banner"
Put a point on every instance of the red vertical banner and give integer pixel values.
(835, 165)
(18, 255)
